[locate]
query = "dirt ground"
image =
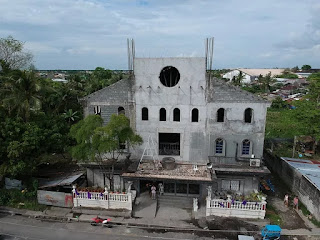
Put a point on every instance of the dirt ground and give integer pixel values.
(290, 218)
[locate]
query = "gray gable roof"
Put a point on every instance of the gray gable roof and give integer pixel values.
(220, 91)
(119, 91)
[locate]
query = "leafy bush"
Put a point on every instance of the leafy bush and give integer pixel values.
(20, 199)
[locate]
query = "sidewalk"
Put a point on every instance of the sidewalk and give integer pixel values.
(65, 214)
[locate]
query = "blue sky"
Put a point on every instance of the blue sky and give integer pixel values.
(84, 34)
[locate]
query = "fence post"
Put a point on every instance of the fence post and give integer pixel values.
(74, 196)
(130, 200)
(106, 194)
(195, 204)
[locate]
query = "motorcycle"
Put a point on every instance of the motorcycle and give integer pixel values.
(100, 221)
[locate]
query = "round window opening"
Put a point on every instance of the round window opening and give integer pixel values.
(169, 76)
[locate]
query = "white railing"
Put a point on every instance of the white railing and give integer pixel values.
(240, 209)
(102, 200)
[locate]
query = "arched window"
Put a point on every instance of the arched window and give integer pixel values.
(163, 114)
(97, 110)
(219, 149)
(248, 115)
(220, 115)
(195, 115)
(176, 115)
(121, 110)
(145, 114)
(246, 145)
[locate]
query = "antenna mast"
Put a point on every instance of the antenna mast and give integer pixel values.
(131, 53)
(209, 53)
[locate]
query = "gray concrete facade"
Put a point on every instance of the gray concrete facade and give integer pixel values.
(193, 91)
(197, 92)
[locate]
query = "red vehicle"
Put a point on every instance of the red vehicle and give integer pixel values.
(104, 222)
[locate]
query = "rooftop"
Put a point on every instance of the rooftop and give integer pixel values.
(310, 169)
(262, 71)
(182, 171)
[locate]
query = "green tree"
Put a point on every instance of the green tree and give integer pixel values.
(71, 116)
(21, 93)
(103, 144)
(278, 103)
(237, 80)
(13, 55)
(314, 87)
(266, 82)
(306, 67)
(287, 74)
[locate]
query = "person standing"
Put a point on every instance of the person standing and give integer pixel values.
(296, 202)
(286, 200)
(153, 192)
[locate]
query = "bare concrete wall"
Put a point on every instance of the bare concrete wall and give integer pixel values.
(189, 93)
(308, 193)
(234, 130)
(194, 90)
(96, 178)
(59, 199)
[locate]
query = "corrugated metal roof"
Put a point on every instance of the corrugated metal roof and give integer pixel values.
(308, 168)
(63, 181)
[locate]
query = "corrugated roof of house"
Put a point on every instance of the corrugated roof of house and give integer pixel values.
(308, 168)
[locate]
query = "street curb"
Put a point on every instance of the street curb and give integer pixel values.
(148, 226)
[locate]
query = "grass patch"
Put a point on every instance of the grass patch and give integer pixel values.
(272, 215)
(306, 213)
(304, 209)
(315, 221)
(20, 199)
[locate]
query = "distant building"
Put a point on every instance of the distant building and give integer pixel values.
(251, 74)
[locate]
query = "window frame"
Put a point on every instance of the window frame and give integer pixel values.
(245, 115)
(248, 149)
(230, 183)
(223, 115)
(195, 114)
(223, 147)
(161, 119)
(144, 115)
(122, 111)
(97, 110)
(176, 114)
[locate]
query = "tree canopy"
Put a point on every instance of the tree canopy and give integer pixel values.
(98, 143)
(314, 87)
(103, 144)
(306, 67)
(13, 55)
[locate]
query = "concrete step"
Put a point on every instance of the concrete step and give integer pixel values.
(176, 201)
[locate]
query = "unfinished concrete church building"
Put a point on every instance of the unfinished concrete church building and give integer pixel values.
(213, 131)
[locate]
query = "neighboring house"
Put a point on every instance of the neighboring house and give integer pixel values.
(306, 73)
(250, 75)
(303, 178)
(213, 131)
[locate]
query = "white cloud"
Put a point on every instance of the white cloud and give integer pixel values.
(95, 31)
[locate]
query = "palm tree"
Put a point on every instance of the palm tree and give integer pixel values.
(71, 116)
(20, 93)
(266, 82)
(237, 80)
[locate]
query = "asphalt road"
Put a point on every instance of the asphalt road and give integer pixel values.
(18, 227)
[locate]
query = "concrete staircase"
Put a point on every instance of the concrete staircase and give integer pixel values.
(175, 201)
